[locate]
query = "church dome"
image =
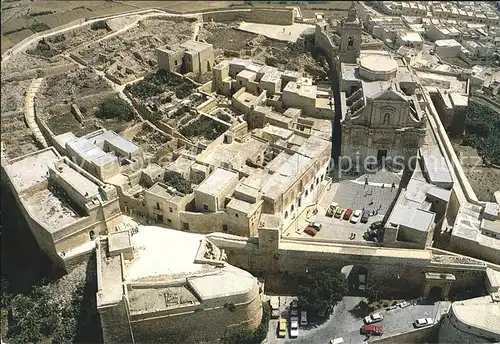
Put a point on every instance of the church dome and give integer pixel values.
(377, 67)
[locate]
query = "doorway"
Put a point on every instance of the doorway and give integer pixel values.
(381, 155)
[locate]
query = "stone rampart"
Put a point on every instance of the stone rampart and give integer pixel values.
(275, 16)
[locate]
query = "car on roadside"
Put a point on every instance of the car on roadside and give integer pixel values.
(274, 302)
(294, 327)
(316, 225)
(403, 304)
(339, 340)
(372, 329)
(423, 322)
(282, 328)
(331, 209)
(365, 216)
(294, 308)
(376, 225)
(347, 214)
(373, 318)
(310, 231)
(338, 212)
(356, 216)
(303, 318)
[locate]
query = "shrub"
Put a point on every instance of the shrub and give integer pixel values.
(98, 25)
(41, 13)
(37, 27)
(210, 129)
(115, 108)
(224, 117)
(176, 181)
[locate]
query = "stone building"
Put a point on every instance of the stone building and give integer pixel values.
(168, 286)
(350, 36)
(472, 321)
(65, 207)
(189, 57)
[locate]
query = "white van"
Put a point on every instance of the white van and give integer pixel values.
(303, 318)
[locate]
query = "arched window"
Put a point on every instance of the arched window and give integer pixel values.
(387, 118)
(286, 214)
(292, 208)
(307, 193)
(350, 41)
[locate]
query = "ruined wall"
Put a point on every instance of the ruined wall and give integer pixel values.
(324, 43)
(256, 15)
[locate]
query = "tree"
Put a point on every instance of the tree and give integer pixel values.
(322, 289)
(115, 108)
(372, 292)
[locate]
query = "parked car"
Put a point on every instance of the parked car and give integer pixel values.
(356, 216)
(403, 304)
(373, 318)
(372, 329)
(376, 225)
(423, 322)
(347, 214)
(338, 212)
(303, 318)
(365, 216)
(331, 209)
(282, 328)
(294, 308)
(337, 341)
(274, 302)
(315, 225)
(294, 327)
(310, 231)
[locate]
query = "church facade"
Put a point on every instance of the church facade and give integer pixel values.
(381, 118)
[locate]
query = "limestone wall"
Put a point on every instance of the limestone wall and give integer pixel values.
(206, 324)
(455, 331)
(202, 222)
(273, 16)
(421, 335)
(324, 43)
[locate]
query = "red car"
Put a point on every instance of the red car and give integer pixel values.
(347, 214)
(310, 231)
(372, 329)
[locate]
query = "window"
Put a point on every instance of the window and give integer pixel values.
(169, 221)
(312, 187)
(176, 62)
(185, 226)
(286, 214)
(236, 215)
(224, 228)
(292, 208)
(159, 217)
(317, 181)
(158, 206)
(170, 209)
(205, 207)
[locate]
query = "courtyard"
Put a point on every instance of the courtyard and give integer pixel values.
(373, 192)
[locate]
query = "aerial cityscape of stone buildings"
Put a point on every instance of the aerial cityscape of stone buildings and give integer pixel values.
(180, 235)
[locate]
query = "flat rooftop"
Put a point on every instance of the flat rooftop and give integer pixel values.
(162, 190)
(240, 205)
(313, 147)
(162, 252)
(216, 181)
(50, 211)
(81, 184)
(235, 153)
(411, 217)
(195, 45)
(29, 170)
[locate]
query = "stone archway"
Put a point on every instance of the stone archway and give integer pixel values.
(357, 277)
(438, 284)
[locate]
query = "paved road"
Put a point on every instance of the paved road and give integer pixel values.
(342, 323)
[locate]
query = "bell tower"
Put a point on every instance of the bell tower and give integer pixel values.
(350, 33)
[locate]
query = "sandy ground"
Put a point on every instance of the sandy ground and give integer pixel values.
(289, 33)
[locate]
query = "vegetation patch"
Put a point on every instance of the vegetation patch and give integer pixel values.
(176, 181)
(115, 108)
(43, 49)
(38, 27)
(41, 13)
(207, 127)
(322, 289)
(159, 82)
(482, 131)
